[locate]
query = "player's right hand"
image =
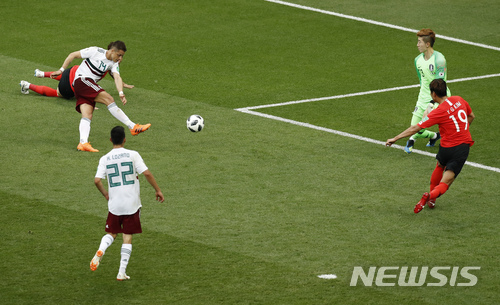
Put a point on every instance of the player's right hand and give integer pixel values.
(389, 142)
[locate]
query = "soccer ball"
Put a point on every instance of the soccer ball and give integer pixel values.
(195, 123)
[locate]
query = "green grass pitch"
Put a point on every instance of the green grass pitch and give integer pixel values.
(255, 208)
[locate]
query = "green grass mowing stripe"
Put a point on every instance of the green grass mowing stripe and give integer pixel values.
(257, 209)
(45, 259)
(387, 25)
(365, 139)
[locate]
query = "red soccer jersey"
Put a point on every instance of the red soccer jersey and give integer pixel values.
(451, 116)
(72, 73)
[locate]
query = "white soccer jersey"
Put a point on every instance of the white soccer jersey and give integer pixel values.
(121, 168)
(95, 64)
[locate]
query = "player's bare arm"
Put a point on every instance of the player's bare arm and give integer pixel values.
(119, 87)
(408, 132)
(67, 62)
(125, 85)
(101, 188)
(151, 179)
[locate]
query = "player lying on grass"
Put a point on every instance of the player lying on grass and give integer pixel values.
(454, 116)
(64, 87)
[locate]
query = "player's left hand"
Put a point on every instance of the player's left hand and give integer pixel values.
(160, 197)
(55, 74)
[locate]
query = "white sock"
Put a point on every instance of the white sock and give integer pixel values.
(120, 115)
(125, 257)
(106, 241)
(84, 130)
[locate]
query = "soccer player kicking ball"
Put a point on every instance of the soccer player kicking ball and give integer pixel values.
(454, 116)
(97, 61)
(121, 167)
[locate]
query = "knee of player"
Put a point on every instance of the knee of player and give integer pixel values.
(109, 100)
(105, 98)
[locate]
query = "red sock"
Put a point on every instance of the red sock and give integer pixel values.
(44, 90)
(436, 176)
(47, 74)
(439, 190)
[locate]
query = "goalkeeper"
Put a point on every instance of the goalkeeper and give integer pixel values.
(430, 65)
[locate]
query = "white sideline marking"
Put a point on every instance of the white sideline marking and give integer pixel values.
(388, 25)
(350, 135)
(327, 276)
(331, 97)
(363, 93)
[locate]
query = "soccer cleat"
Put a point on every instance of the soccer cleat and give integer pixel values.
(420, 205)
(431, 203)
(25, 87)
(122, 277)
(39, 74)
(86, 147)
(94, 263)
(433, 142)
(409, 146)
(139, 128)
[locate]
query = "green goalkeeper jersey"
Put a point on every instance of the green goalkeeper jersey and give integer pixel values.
(428, 70)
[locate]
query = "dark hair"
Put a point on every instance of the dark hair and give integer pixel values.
(117, 135)
(119, 45)
(428, 35)
(438, 86)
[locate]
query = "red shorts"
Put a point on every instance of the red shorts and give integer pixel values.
(128, 224)
(86, 90)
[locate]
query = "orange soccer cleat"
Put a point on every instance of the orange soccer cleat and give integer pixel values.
(94, 263)
(139, 128)
(86, 147)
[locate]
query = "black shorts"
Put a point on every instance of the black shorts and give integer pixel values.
(453, 158)
(65, 85)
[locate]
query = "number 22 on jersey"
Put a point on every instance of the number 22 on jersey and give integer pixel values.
(126, 169)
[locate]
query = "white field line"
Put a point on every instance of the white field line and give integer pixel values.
(362, 93)
(392, 26)
(353, 136)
